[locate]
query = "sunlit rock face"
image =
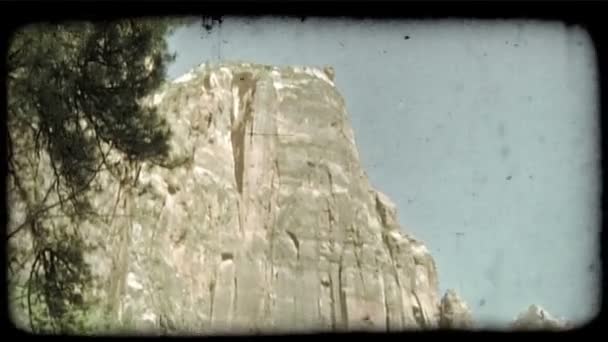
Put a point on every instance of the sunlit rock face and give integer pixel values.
(454, 313)
(263, 220)
(537, 318)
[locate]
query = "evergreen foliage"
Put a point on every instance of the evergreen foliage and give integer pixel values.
(73, 88)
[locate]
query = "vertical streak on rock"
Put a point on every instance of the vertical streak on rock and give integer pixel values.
(243, 88)
(387, 320)
(325, 281)
(211, 297)
(262, 179)
(333, 304)
(418, 311)
(296, 243)
(356, 252)
(239, 212)
(396, 275)
(224, 293)
(343, 308)
(319, 306)
(334, 286)
(270, 276)
(234, 302)
(236, 137)
(271, 233)
(266, 323)
(330, 181)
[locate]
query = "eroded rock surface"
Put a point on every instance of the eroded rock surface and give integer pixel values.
(537, 318)
(454, 313)
(263, 221)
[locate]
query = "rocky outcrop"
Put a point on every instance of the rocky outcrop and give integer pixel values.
(536, 318)
(454, 313)
(263, 220)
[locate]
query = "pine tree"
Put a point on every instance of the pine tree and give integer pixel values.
(73, 88)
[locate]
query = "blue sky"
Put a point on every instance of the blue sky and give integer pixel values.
(484, 133)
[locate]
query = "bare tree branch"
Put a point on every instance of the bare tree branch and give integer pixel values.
(29, 290)
(36, 215)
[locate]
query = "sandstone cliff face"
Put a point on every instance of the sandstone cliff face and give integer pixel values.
(263, 221)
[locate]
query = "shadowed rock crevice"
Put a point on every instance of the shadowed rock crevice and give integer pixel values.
(238, 147)
(343, 309)
(243, 88)
(294, 240)
(211, 296)
(387, 321)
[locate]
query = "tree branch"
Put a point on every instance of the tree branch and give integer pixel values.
(29, 290)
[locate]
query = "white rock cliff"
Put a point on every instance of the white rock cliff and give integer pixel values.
(263, 222)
